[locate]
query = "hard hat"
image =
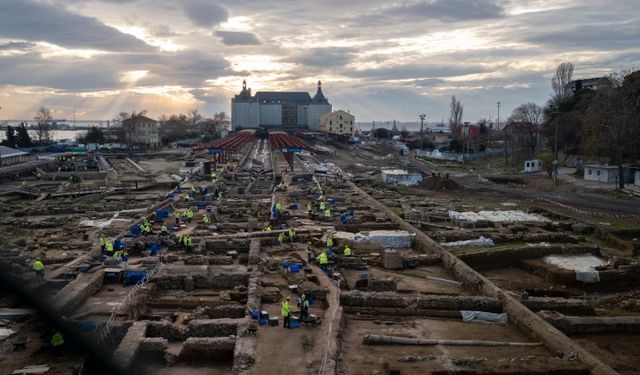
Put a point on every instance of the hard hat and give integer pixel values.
(288, 298)
(309, 243)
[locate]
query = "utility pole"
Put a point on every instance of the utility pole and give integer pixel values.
(498, 120)
(422, 117)
(555, 150)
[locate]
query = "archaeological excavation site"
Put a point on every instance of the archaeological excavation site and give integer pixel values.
(280, 253)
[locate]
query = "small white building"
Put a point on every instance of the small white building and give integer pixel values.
(400, 177)
(338, 122)
(601, 173)
(532, 166)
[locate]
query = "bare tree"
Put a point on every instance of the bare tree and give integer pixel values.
(525, 121)
(43, 124)
(612, 122)
(559, 82)
(455, 116)
(194, 117)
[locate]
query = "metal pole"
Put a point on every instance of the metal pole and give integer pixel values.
(555, 160)
(422, 117)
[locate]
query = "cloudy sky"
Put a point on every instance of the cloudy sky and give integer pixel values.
(380, 59)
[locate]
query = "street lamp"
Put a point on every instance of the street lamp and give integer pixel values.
(422, 117)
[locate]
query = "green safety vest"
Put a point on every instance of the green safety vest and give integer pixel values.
(322, 258)
(347, 251)
(57, 339)
(38, 266)
(285, 308)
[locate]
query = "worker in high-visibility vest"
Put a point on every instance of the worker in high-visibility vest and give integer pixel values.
(281, 237)
(108, 248)
(176, 216)
(347, 251)
(205, 220)
(103, 243)
(329, 242)
(164, 231)
(57, 342)
(327, 215)
(323, 260)
(38, 268)
(292, 234)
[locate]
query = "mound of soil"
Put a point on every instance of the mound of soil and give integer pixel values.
(439, 184)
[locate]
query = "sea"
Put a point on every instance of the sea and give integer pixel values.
(69, 132)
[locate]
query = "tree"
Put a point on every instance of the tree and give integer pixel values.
(560, 82)
(22, 138)
(382, 133)
(94, 135)
(525, 121)
(223, 119)
(43, 124)
(176, 127)
(194, 118)
(547, 159)
(456, 146)
(612, 122)
(455, 115)
(10, 135)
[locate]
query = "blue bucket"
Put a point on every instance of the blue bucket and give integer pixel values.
(293, 206)
(83, 269)
(294, 268)
(209, 209)
(255, 314)
(263, 321)
(294, 324)
(285, 264)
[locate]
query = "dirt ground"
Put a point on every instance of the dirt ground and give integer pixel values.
(361, 359)
(621, 352)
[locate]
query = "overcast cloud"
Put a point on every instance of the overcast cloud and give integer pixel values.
(380, 59)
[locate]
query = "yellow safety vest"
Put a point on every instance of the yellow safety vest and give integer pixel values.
(38, 266)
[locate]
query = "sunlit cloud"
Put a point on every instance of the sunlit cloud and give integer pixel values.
(133, 76)
(165, 44)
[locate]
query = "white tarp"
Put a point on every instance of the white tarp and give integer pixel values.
(386, 238)
(583, 265)
(479, 242)
(506, 216)
(483, 316)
